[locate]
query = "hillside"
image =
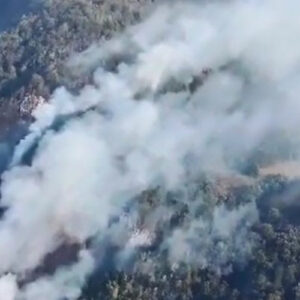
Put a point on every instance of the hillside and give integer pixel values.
(149, 150)
(33, 55)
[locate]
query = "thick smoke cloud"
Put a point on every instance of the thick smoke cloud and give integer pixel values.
(8, 287)
(139, 126)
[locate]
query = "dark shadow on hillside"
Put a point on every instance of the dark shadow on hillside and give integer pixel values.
(12, 10)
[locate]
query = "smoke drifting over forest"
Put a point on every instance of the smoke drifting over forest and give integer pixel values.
(196, 89)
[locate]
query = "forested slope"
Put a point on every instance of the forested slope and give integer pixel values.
(216, 233)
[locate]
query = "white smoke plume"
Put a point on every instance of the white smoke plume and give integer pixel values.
(8, 287)
(132, 130)
(66, 282)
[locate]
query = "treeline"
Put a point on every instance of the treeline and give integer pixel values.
(33, 55)
(271, 273)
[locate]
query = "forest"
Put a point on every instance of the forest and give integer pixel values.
(149, 150)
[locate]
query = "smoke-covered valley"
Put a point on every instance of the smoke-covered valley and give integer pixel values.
(163, 163)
